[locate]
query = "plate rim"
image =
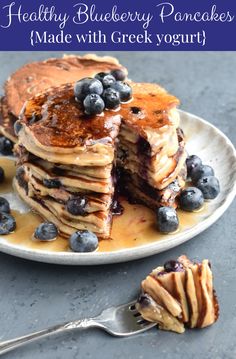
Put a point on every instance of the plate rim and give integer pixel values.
(133, 253)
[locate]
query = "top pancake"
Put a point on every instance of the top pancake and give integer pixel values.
(150, 109)
(56, 119)
(36, 77)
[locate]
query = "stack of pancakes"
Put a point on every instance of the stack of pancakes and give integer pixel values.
(36, 77)
(63, 154)
(151, 151)
(175, 299)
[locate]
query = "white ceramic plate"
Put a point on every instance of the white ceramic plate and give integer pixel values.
(204, 140)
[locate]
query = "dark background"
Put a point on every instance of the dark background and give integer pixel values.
(35, 295)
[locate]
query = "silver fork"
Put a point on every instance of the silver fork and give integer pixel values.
(121, 321)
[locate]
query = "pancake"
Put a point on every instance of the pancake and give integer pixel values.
(99, 226)
(154, 312)
(185, 293)
(65, 154)
(36, 77)
(206, 311)
(158, 170)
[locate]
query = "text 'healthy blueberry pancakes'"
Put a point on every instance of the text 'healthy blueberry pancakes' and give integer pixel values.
(36, 77)
(75, 155)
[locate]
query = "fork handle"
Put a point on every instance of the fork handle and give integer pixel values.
(9, 345)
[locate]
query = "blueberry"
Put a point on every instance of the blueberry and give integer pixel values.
(22, 178)
(83, 241)
(86, 87)
(191, 199)
(46, 231)
(173, 266)
(159, 274)
(51, 183)
(93, 104)
(201, 171)
(118, 74)
(7, 223)
(143, 146)
(77, 206)
(209, 186)
(101, 75)
(17, 127)
(111, 98)
(108, 80)
(124, 90)
(6, 146)
(144, 300)
(167, 219)
(135, 110)
(2, 175)
(192, 162)
(4, 205)
(116, 207)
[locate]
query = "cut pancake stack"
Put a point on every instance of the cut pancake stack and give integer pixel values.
(182, 297)
(151, 149)
(36, 77)
(65, 155)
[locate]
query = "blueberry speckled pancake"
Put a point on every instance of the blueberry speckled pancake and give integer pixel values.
(180, 292)
(36, 77)
(65, 154)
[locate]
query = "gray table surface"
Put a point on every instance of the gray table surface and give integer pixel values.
(36, 295)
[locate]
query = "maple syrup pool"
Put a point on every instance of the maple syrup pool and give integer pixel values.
(135, 227)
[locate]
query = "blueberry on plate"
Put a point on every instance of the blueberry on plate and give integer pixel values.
(108, 80)
(111, 98)
(173, 266)
(124, 90)
(191, 199)
(2, 175)
(46, 231)
(4, 205)
(51, 183)
(83, 241)
(167, 219)
(192, 162)
(7, 223)
(87, 86)
(6, 146)
(209, 186)
(201, 171)
(77, 206)
(93, 104)
(118, 74)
